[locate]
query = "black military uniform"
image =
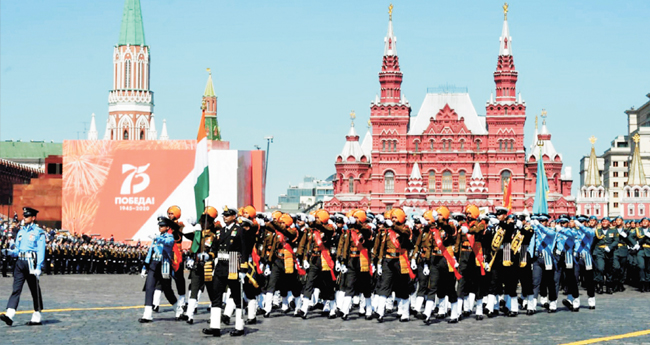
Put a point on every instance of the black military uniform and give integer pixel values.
(228, 248)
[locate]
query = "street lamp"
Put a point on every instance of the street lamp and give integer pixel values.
(269, 140)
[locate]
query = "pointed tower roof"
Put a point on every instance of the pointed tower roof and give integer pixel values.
(209, 87)
(153, 134)
(593, 175)
(390, 42)
(636, 173)
(415, 188)
(163, 132)
(352, 147)
(132, 29)
(505, 47)
(476, 185)
(92, 133)
(547, 146)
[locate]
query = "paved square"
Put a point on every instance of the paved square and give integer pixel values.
(616, 314)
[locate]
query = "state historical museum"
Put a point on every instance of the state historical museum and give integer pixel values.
(447, 154)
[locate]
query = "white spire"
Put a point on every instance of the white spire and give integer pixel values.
(377, 99)
(476, 173)
(92, 133)
(163, 133)
(153, 134)
(505, 47)
(390, 46)
(415, 173)
(366, 144)
(107, 133)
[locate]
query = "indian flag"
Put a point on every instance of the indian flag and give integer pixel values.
(202, 180)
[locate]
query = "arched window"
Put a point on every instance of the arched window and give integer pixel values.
(351, 185)
(478, 145)
(512, 145)
(383, 146)
(431, 141)
(126, 135)
(588, 210)
(417, 146)
(630, 210)
(505, 177)
(641, 210)
(462, 145)
(500, 145)
(461, 182)
(142, 134)
(446, 182)
(432, 181)
(395, 146)
(636, 193)
(389, 182)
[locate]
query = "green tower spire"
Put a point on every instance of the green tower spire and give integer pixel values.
(132, 29)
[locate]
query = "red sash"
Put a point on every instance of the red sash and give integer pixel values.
(289, 250)
(451, 260)
(324, 252)
(178, 256)
(478, 251)
(362, 250)
(256, 260)
(402, 252)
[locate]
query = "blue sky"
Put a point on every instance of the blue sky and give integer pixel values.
(295, 69)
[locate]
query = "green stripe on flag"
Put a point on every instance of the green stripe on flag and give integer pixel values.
(201, 191)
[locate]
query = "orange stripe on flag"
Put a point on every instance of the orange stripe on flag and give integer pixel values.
(202, 133)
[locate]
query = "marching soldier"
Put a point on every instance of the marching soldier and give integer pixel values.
(315, 252)
(643, 254)
(543, 265)
(157, 268)
(30, 250)
(621, 254)
(202, 259)
(394, 266)
(229, 247)
(605, 243)
(583, 255)
(174, 213)
(565, 239)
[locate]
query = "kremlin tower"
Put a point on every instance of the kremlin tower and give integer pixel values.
(130, 102)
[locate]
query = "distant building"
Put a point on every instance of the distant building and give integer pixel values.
(305, 194)
(621, 169)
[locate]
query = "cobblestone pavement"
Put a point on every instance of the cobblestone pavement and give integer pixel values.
(615, 314)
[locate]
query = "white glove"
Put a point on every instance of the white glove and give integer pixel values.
(558, 252)
(519, 224)
(37, 272)
(636, 247)
(389, 222)
(192, 220)
(414, 266)
(534, 222)
(379, 270)
(374, 269)
(143, 274)
(453, 222)
(344, 269)
(623, 234)
(331, 223)
(261, 222)
(456, 264)
(152, 236)
(607, 249)
(464, 229)
(558, 227)
(204, 256)
(311, 218)
(425, 270)
(434, 214)
(486, 265)
(380, 218)
(337, 267)
(267, 271)
(577, 222)
(352, 220)
(494, 221)
(372, 226)
(305, 264)
(242, 276)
